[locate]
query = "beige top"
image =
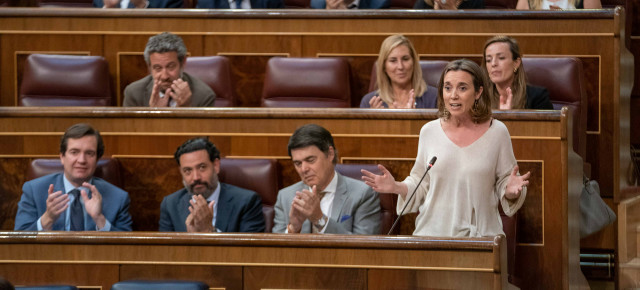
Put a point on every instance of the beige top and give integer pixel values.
(459, 196)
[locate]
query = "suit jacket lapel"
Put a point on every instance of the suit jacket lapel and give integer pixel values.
(147, 91)
(58, 225)
(339, 199)
(183, 212)
(225, 208)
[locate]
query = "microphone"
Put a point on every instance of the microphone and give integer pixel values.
(433, 161)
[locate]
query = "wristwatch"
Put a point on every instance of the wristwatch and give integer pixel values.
(320, 223)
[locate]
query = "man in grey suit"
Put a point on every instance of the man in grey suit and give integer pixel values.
(324, 201)
(167, 85)
(205, 204)
(74, 200)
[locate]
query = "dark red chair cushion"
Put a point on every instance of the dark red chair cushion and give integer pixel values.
(306, 82)
(65, 80)
(259, 175)
(215, 71)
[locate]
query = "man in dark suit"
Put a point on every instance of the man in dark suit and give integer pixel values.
(167, 85)
(138, 3)
(205, 204)
(324, 201)
(350, 4)
(240, 4)
(74, 200)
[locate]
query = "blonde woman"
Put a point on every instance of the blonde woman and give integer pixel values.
(399, 78)
(558, 4)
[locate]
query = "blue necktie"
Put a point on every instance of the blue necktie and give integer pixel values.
(238, 4)
(76, 215)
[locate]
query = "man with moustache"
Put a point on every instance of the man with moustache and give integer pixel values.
(324, 201)
(74, 200)
(167, 85)
(205, 204)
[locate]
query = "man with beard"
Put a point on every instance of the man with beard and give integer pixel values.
(205, 204)
(167, 85)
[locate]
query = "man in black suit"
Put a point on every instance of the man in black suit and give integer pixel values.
(205, 204)
(138, 3)
(240, 4)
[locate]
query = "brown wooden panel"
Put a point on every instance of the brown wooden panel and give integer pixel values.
(530, 223)
(395, 279)
(131, 67)
(148, 182)
(11, 180)
(304, 278)
(34, 274)
(247, 74)
(215, 276)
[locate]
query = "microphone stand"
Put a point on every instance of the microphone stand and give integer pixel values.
(433, 161)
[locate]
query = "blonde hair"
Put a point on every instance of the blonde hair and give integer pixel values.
(519, 84)
(537, 4)
(385, 90)
(481, 111)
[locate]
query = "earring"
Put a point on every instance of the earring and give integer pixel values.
(515, 70)
(475, 105)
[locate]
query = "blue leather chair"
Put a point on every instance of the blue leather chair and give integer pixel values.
(159, 285)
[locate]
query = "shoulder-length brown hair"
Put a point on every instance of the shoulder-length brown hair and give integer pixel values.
(519, 85)
(482, 110)
(385, 91)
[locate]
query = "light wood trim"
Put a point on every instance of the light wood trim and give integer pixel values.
(628, 223)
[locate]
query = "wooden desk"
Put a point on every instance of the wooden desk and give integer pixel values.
(144, 142)
(254, 261)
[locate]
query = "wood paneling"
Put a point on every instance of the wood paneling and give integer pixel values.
(250, 38)
(306, 278)
(145, 141)
(246, 261)
(87, 275)
(229, 278)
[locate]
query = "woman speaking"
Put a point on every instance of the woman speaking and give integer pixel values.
(476, 170)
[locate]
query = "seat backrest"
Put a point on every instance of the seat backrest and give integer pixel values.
(159, 285)
(214, 71)
(299, 4)
(402, 4)
(67, 3)
(431, 71)
(388, 201)
(65, 80)
(563, 77)
(500, 4)
(306, 82)
(259, 175)
(107, 169)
